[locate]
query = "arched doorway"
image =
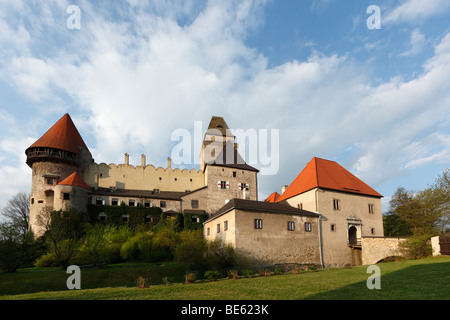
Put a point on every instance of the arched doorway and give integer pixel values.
(352, 236)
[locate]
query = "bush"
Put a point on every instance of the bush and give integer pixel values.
(46, 260)
(190, 277)
(191, 250)
(233, 274)
(212, 275)
(220, 257)
(247, 273)
(416, 247)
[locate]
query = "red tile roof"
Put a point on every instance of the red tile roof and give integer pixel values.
(326, 174)
(74, 180)
(273, 197)
(63, 136)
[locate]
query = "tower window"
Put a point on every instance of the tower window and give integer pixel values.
(333, 227)
(234, 174)
(371, 208)
(50, 181)
(194, 203)
(66, 196)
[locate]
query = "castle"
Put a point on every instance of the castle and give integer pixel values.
(320, 218)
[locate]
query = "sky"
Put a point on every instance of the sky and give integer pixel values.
(369, 89)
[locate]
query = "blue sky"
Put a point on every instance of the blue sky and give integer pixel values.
(377, 101)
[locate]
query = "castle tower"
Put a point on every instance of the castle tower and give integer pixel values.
(216, 138)
(58, 154)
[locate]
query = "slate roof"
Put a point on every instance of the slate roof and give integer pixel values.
(259, 206)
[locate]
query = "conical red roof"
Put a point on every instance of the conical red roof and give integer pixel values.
(63, 136)
(326, 174)
(74, 180)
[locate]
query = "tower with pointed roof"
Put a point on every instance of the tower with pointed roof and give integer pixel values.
(59, 154)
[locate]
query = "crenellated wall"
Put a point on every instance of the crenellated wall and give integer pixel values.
(148, 177)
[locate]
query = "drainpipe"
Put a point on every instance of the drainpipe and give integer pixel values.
(320, 241)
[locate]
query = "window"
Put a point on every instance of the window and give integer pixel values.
(124, 218)
(102, 217)
(243, 186)
(223, 185)
(32, 200)
(371, 208)
(333, 227)
(66, 196)
(50, 181)
(234, 174)
(225, 226)
(162, 204)
(218, 228)
(308, 226)
(148, 219)
(258, 224)
(194, 203)
(195, 219)
(336, 204)
(147, 204)
(114, 202)
(207, 231)
(99, 201)
(372, 230)
(131, 202)
(291, 226)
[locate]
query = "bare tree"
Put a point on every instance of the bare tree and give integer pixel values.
(17, 210)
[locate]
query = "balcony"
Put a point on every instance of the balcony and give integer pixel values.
(354, 242)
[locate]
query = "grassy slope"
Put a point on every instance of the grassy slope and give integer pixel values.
(414, 279)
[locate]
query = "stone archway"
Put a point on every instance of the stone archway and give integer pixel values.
(352, 236)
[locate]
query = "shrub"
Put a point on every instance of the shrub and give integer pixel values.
(142, 282)
(219, 256)
(190, 277)
(46, 260)
(212, 275)
(265, 272)
(278, 271)
(415, 247)
(191, 250)
(233, 274)
(247, 273)
(167, 280)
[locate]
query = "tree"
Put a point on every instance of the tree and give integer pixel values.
(17, 211)
(394, 226)
(15, 246)
(64, 233)
(16, 242)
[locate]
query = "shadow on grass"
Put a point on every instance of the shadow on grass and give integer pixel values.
(420, 282)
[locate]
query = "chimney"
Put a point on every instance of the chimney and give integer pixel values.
(283, 189)
(169, 163)
(143, 163)
(127, 159)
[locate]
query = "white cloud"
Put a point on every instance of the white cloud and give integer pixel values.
(416, 11)
(417, 42)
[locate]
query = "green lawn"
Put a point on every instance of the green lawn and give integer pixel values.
(424, 279)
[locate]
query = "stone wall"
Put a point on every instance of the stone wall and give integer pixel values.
(375, 249)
